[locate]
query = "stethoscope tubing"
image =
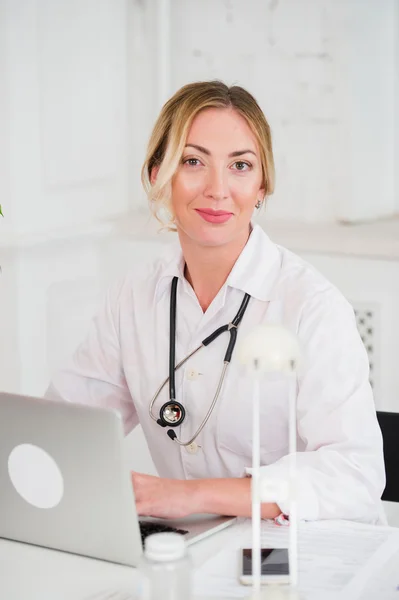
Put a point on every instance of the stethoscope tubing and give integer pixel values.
(159, 390)
(230, 327)
(208, 414)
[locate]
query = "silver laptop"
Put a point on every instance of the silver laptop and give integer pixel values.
(64, 483)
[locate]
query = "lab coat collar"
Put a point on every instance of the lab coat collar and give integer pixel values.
(254, 272)
(257, 267)
(172, 266)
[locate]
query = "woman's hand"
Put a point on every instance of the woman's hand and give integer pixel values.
(166, 498)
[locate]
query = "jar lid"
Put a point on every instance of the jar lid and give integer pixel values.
(164, 546)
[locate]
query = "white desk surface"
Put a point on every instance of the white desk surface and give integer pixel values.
(363, 558)
(33, 573)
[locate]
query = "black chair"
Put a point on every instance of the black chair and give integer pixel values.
(389, 424)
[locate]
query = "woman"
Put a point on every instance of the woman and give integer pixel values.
(209, 166)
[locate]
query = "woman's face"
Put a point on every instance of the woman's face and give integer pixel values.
(218, 181)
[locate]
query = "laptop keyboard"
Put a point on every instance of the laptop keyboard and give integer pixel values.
(148, 527)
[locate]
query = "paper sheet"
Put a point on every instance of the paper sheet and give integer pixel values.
(379, 577)
(384, 585)
(333, 555)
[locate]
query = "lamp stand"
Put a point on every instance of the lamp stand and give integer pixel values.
(256, 505)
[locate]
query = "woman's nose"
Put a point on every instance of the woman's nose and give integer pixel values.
(216, 184)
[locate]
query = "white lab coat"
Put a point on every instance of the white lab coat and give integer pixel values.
(125, 358)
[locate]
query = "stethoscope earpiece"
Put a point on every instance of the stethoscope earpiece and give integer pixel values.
(172, 414)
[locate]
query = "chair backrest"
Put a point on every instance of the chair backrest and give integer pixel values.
(389, 424)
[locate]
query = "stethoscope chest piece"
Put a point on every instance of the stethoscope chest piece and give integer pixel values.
(172, 414)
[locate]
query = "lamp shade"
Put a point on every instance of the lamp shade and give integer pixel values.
(270, 348)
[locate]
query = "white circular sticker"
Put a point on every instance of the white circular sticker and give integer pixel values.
(36, 476)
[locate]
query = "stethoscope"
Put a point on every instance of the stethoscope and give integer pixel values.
(173, 413)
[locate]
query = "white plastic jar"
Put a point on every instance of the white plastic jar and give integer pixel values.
(165, 568)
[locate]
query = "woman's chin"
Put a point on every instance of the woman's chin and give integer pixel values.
(211, 236)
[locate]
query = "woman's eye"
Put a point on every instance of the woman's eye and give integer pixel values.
(242, 166)
(192, 162)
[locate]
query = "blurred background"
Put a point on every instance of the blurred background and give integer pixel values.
(81, 83)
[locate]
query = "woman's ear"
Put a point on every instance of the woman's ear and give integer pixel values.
(154, 174)
(261, 195)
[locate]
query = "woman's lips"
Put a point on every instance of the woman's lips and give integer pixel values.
(214, 216)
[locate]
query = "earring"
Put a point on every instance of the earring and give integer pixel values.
(258, 204)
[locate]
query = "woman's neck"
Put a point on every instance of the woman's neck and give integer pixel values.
(207, 267)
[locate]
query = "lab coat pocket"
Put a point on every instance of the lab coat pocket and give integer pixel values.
(234, 421)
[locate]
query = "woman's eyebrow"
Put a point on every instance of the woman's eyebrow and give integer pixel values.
(231, 155)
(199, 148)
(240, 152)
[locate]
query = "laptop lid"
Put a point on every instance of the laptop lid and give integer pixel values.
(63, 480)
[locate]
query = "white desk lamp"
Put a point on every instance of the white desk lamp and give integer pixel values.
(267, 349)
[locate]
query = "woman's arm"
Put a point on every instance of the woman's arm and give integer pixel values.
(340, 465)
(94, 374)
(175, 498)
(229, 497)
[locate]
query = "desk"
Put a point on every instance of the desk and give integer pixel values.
(33, 573)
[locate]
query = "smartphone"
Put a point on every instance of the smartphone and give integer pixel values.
(274, 566)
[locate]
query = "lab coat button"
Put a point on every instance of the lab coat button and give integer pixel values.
(192, 374)
(192, 448)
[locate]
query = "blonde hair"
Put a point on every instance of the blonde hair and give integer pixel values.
(168, 138)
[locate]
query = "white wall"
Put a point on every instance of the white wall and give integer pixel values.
(64, 84)
(5, 172)
(396, 99)
(143, 88)
(371, 34)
